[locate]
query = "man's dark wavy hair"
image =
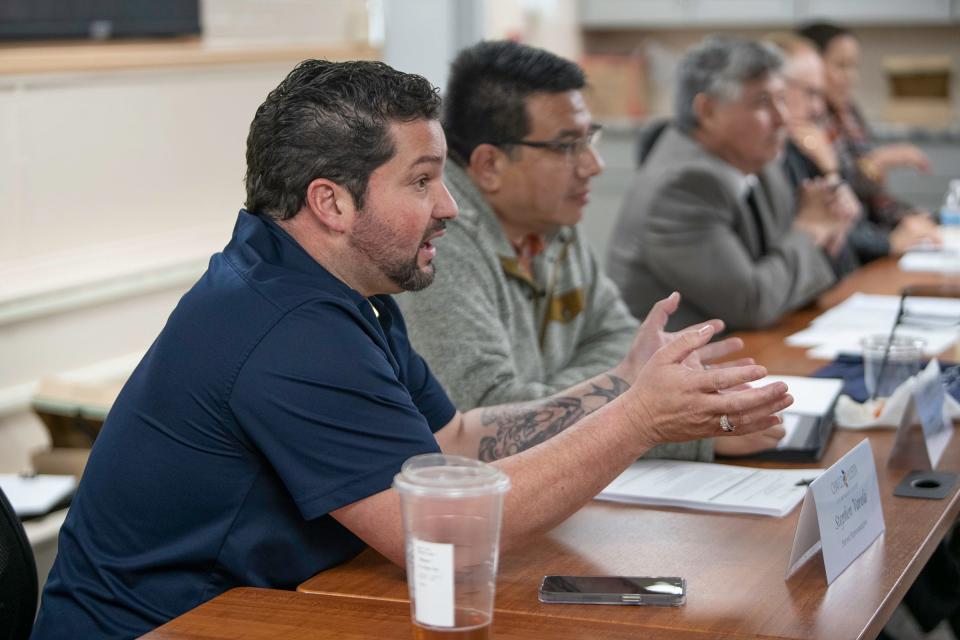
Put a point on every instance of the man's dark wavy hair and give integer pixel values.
(487, 88)
(329, 120)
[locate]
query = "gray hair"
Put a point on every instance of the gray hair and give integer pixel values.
(719, 67)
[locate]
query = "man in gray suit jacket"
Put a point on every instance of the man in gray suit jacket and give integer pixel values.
(711, 215)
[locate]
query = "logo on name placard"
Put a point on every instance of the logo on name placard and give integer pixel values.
(843, 482)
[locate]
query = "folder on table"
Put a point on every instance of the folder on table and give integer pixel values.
(808, 422)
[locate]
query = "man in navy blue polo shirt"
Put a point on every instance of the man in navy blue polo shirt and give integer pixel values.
(256, 442)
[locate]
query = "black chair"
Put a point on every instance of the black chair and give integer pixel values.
(18, 576)
(648, 137)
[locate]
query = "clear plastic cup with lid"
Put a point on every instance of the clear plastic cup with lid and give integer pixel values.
(452, 508)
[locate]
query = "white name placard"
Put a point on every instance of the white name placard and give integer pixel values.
(926, 410)
(841, 513)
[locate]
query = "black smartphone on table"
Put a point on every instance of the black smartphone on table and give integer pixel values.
(638, 590)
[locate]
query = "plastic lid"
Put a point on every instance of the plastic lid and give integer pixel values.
(443, 476)
(901, 348)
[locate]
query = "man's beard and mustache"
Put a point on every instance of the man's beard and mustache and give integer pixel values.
(406, 274)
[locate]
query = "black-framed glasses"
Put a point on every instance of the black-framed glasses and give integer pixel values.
(572, 148)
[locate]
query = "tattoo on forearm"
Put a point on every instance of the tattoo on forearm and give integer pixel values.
(520, 427)
(618, 386)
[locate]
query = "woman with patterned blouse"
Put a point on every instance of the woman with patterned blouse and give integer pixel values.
(861, 163)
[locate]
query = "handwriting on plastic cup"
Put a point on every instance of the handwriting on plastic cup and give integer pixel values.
(451, 509)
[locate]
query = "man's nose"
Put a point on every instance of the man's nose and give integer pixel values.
(447, 208)
(589, 163)
(779, 113)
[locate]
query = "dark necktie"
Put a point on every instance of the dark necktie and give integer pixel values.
(754, 207)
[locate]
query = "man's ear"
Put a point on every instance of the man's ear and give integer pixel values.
(330, 204)
(486, 167)
(704, 109)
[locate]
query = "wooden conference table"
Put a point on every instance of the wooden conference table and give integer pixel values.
(734, 564)
(270, 614)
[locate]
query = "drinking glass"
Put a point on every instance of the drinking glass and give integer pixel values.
(902, 361)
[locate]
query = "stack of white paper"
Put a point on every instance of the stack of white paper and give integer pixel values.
(811, 397)
(942, 261)
(839, 330)
(36, 495)
(711, 487)
(946, 259)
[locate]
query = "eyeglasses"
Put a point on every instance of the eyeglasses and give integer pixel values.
(572, 148)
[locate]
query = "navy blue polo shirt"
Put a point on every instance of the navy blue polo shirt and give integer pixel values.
(274, 395)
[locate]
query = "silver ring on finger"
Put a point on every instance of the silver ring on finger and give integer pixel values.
(726, 425)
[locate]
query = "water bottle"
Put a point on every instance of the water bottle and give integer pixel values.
(950, 213)
(950, 227)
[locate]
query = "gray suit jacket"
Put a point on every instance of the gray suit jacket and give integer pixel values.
(685, 226)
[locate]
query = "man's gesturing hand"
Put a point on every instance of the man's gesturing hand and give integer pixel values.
(652, 335)
(671, 401)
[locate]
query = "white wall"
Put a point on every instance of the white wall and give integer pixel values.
(286, 21)
(553, 25)
(423, 36)
(117, 187)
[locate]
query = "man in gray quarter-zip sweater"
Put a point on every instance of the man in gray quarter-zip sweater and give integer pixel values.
(519, 308)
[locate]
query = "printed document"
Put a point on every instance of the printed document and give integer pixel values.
(946, 259)
(711, 487)
(840, 329)
(36, 495)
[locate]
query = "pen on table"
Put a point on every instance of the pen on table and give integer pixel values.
(803, 482)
